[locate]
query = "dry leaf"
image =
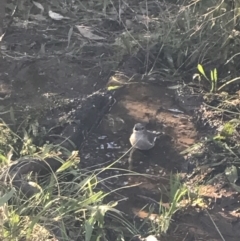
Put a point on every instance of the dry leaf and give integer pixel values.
(39, 6)
(87, 33)
(56, 16)
(174, 87)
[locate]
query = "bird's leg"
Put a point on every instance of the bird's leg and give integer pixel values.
(136, 154)
(130, 158)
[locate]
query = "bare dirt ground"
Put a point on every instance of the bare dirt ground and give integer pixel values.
(36, 81)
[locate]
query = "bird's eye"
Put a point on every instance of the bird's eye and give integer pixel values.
(139, 128)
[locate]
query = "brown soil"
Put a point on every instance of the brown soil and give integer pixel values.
(32, 81)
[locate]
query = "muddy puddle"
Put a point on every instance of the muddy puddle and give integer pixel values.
(153, 105)
(149, 179)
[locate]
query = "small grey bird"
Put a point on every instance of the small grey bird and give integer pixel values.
(143, 139)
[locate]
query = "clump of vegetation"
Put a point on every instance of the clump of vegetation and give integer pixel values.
(228, 130)
(8, 141)
(177, 193)
(70, 203)
(61, 207)
(214, 81)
